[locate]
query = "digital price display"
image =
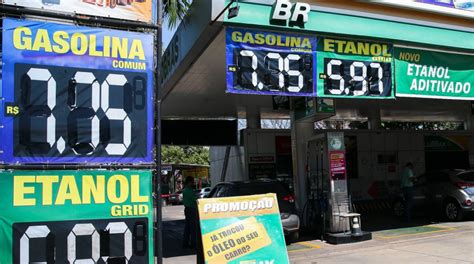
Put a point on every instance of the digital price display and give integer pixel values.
(270, 63)
(354, 69)
(76, 217)
(75, 94)
(91, 241)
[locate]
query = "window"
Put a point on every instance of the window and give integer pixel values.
(214, 191)
(467, 176)
(277, 188)
(437, 176)
(222, 192)
(422, 179)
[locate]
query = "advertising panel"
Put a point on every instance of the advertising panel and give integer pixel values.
(271, 63)
(138, 10)
(304, 107)
(243, 229)
(354, 69)
(337, 156)
(446, 143)
(76, 217)
(437, 75)
(457, 4)
(75, 94)
(459, 8)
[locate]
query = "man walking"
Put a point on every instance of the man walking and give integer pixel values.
(189, 202)
(407, 186)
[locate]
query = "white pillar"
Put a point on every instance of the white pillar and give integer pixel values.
(301, 132)
(374, 120)
(469, 123)
(253, 116)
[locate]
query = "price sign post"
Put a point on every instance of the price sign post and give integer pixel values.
(270, 63)
(70, 96)
(75, 94)
(354, 69)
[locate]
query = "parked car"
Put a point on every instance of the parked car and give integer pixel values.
(286, 202)
(204, 192)
(450, 192)
(165, 199)
(176, 198)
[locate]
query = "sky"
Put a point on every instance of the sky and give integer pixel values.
(167, 34)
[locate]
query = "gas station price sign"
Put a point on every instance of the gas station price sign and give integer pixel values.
(270, 63)
(76, 217)
(354, 69)
(75, 94)
(435, 75)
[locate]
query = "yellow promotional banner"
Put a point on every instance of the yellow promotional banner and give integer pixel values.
(196, 172)
(235, 240)
(242, 229)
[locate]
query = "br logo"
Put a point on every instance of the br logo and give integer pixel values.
(284, 10)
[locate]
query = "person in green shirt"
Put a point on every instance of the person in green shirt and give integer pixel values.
(190, 213)
(408, 178)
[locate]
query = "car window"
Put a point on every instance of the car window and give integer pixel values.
(222, 192)
(214, 191)
(421, 180)
(437, 176)
(251, 189)
(467, 176)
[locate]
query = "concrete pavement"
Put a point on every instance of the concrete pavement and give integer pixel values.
(421, 243)
(451, 244)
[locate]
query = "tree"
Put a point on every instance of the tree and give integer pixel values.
(175, 10)
(185, 155)
(276, 123)
(423, 125)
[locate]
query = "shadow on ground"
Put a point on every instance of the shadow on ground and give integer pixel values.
(381, 221)
(373, 222)
(172, 240)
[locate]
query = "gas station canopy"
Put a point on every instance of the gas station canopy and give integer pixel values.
(342, 60)
(195, 69)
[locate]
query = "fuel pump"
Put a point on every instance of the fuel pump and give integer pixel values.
(328, 190)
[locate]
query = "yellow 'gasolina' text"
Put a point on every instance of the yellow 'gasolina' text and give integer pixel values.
(296, 43)
(63, 42)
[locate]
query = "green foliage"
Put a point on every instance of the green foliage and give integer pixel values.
(391, 125)
(175, 10)
(185, 155)
(445, 125)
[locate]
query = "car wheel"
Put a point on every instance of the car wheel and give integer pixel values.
(293, 237)
(453, 211)
(399, 208)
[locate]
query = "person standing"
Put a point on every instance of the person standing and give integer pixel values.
(408, 178)
(190, 212)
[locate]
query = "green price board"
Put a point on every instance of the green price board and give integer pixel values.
(436, 75)
(354, 69)
(76, 217)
